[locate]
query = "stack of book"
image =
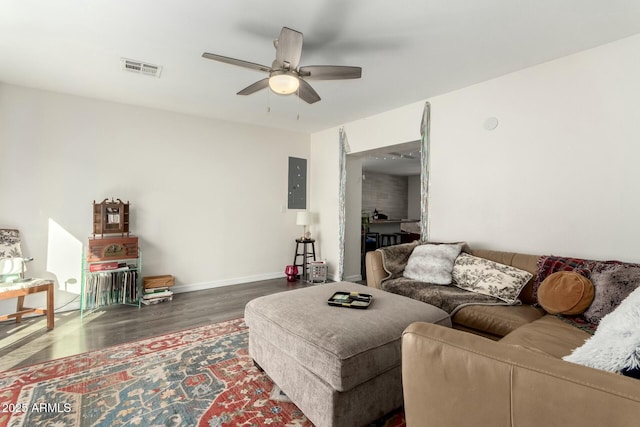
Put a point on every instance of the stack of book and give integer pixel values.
(157, 295)
(111, 286)
(157, 289)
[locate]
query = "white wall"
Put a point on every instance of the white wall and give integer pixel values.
(208, 198)
(558, 174)
(353, 221)
(397, 126)
(324, 184)
(413, 197)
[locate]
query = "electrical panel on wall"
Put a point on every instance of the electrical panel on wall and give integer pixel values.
(297, 189)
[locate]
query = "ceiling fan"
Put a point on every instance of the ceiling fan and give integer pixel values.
(285, 75)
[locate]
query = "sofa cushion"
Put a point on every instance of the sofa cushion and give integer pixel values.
(432, 263)
(565, 292)
(489, 277)
(496, 320)
(613, 283)
(548, 335)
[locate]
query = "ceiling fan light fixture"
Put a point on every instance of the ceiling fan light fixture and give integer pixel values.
(283, 83)
(286, 77)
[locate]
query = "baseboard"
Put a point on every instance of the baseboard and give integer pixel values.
(225, 282)
(334, 277)
(74, 305)
(354, 278)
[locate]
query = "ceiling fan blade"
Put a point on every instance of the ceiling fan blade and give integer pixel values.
(259, 85)
(238, 62)
(330, 72)
(307, 93)
(288, 49)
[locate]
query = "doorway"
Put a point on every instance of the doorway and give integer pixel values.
(385, 181)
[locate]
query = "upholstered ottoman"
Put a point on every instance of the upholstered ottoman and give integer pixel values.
(340, 366)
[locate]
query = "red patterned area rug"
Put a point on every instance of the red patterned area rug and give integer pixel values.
(200, 377)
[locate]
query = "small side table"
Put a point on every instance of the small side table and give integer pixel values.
(21, 288)
(305, 254)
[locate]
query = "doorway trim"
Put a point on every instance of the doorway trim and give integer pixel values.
(343, 147)
(425, 169)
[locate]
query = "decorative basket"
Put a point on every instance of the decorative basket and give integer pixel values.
(317, 272)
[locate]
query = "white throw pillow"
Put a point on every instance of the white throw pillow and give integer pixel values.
(489, 278)
(616, 343)
(432, 263)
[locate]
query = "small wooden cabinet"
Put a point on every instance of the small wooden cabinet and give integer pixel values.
(110, 217)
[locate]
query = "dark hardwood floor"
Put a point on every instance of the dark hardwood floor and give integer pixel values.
(29, 342)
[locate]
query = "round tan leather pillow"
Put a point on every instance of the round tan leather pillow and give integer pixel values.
(565, 292)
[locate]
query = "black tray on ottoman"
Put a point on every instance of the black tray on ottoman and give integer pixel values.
(350, 300)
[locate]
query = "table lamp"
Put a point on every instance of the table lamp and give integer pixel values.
(304, 219)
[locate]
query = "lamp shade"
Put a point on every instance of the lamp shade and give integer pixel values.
(303, 218)
(283, 83)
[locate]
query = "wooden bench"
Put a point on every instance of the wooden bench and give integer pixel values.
(20, 289)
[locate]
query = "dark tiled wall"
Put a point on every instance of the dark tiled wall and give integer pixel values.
(386, 193)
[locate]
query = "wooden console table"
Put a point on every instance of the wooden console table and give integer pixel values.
(19, 290)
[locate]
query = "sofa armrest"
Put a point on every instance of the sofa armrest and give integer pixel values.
(453, 378)
(374, 268)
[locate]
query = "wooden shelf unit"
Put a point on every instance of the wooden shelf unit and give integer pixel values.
(108, 281)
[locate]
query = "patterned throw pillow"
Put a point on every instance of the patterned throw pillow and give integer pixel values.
(10, 244)
(489, 278)
(432, 263)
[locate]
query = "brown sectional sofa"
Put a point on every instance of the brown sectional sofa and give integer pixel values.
(455, 378)
(491, 321)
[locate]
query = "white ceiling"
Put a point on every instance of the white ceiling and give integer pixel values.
(409, 50)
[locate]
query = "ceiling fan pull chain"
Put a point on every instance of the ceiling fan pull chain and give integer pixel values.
(268, 101)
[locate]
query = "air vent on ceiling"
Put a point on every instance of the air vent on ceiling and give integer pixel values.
(141, 67)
